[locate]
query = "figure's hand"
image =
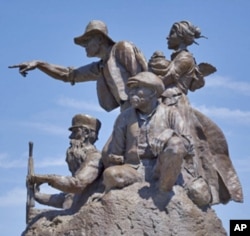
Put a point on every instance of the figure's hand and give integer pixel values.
(116, 159)
(25, 66)
(36, 179)
(159, 143)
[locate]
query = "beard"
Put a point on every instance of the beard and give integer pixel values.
(75, 155)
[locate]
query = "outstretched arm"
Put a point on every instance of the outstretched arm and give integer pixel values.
(72, 184)
(55, 71)
(66, 184)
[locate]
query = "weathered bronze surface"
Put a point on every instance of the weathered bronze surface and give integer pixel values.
(118, 61)
(165, 163)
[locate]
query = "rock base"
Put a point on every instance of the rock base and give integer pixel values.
(138, 209)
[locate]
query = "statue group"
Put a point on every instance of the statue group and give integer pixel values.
(158, 138)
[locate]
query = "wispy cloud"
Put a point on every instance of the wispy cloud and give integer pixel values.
(3, 156)
(223, 82)
(7, 162)
(17, 196)
(243, 165)
(76, 104)
(14, 197)
(51, 161)
(237, 116)
(46, 127)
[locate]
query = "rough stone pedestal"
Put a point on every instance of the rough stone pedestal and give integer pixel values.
(138, 210)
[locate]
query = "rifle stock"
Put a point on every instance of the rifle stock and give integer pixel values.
(30, 187)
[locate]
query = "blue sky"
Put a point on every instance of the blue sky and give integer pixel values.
(39, 109)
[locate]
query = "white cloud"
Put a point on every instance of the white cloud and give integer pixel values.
(237, 116)
(14, 197)
(242, 165)
(8, 162)
(51, 161)
(3, 156)
(76, 104)
(223, 82)
(17, 196)
(46, 127)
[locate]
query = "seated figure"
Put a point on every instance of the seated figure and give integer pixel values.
(148, 133)
(84, 163)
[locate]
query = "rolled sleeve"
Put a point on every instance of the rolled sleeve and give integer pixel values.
(90, 72)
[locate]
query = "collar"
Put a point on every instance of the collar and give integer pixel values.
(146, 117)
(174, 54)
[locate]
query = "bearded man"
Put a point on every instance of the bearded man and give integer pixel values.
(84, 163)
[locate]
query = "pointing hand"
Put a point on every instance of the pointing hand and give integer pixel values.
(24, 67)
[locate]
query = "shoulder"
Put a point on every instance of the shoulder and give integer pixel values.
(185, 55)
(123, 46)
(124, 43)
(183, 61)
(93, 156)
(128, 112)
(126, 116)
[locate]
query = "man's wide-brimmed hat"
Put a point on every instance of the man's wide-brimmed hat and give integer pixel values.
(82, 120)
(149, 80)
(94, 26)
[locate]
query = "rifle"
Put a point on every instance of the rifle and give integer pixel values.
(30, 187)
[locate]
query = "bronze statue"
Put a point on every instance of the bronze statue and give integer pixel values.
(166, 155)
(148, 133)
(118, 61)
(207, 166)
(181, 72)
(84, 163)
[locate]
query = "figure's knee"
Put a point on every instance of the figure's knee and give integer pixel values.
(111, 176)
(119, 176)
(175, 147)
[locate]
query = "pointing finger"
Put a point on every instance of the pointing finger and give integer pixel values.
(14, 66)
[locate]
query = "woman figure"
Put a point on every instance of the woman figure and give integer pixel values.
(204, 174)
(182, 73)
